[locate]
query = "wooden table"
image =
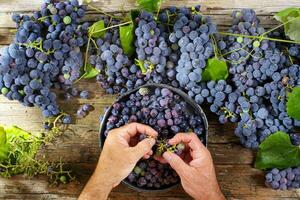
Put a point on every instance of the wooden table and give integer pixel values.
(79, 147)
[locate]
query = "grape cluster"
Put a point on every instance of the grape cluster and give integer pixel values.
(152, 50)
(261, 77)
(45, 54)
(286, 179)
(118, 73)
(84, 110)
(252, 61)
(191, 39)
(164, 111)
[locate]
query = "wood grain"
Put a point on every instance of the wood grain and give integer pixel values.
(229, 176)
(262, 6)
(79, 146)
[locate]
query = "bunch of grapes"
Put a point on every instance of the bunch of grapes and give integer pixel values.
(118, 74)
(45, 54)
(283, 179)
(168, 114)
(251, 61)
(152, 50)
(191, 39)
(84, 110)
(258, 74)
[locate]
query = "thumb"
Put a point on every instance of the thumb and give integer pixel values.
(176, 162)
(143, 147)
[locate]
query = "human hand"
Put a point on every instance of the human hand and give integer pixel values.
(195, 168)
(118, 158)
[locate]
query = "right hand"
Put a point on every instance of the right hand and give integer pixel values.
(196, 171)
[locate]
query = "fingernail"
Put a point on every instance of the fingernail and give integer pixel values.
(152, 141)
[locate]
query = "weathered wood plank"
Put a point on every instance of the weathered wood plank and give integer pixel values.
(222, 20)
(233, 163)
(6, 36)
(233, 186)
(263, 6)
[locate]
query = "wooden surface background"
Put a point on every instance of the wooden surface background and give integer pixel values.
(79, 147)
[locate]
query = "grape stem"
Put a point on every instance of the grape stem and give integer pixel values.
(280, 25)
(259, 37)
(117, 25)
(85, 61)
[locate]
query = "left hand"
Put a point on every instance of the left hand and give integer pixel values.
(118, 158)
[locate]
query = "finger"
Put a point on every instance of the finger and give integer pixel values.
(148, 154)
(160, 159)
(196, 163)
(130, 130)
(190, 139)
(142, 148)
(176, 162)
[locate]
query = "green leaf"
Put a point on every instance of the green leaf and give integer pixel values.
(215, 70)
(95, 29)
(293, 103)
(290, 17)
(127, 39)
(283, 15)
(277, 151)
(90, 72)
(2, 136)
(4, 151)
(149, 5)
(4, 147)
(294, 30)
(10, 134)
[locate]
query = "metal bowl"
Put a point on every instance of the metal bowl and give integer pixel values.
(194, 107)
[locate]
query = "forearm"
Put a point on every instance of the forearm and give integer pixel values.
(97, 188)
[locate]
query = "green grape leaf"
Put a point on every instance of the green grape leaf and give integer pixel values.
(284, 14)
(96, 30)
(4, 151)
(294, 30)
(2, 136)
(277, 151)
(26, 144)
(293, 103)
(127, 39)
(4, 147)
(13, 132)
(9, 135)
(216, 69)
(90, 72)
(290, 17)
(149, 5)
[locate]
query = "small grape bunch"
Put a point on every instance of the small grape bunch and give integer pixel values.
(53, 123)
(163, 146)
(84, 110)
